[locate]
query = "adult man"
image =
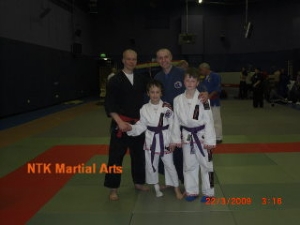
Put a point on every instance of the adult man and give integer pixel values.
(212, 83)
(172, 79)
(170, 76)
(124, 98)
(258, 89)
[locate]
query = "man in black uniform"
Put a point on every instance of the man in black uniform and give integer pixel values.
(124, 98)
(258, 89)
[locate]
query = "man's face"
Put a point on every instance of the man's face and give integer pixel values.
(129, 60)
(204, 71)
(164, 58)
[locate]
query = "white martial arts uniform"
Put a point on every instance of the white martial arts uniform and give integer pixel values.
(183, 117)
(150, 116)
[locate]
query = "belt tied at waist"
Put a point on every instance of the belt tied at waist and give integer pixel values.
(194, 131)
(128, 120)
(157, 130)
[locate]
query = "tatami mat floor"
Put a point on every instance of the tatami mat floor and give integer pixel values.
(267, 183)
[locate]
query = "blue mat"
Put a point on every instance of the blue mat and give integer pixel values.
(19, 119)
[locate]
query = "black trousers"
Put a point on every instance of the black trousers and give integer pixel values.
(258, 97)
(243, 90)
(117, 150)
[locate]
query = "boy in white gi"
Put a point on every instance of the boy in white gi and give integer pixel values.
(155, 119)
(193, 129)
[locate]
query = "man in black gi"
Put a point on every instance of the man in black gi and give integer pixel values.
(124, 98)
(258, 89)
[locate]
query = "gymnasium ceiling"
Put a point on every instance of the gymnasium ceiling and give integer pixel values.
(163, 4)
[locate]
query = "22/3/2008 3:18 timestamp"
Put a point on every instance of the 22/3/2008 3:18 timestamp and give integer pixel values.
(243, 201)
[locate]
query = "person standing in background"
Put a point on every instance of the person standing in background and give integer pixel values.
(113, 72)
(183, 64)
(212, 82)
(294, 94)
(284, 80)
(243, 85)
(258, 89)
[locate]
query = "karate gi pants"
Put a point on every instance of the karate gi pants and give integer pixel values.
(191, 165)
(216, 111)
(117, 150)
(171, 177)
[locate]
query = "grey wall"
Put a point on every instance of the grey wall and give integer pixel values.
(116, 33)
(37, 68)
(276, 27)
(20, 20)
(275, 35)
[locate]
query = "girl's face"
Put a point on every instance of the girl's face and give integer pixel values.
(190, 83)
(155, 94)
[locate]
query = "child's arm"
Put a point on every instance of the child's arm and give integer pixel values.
(210, 134)
(139, 127)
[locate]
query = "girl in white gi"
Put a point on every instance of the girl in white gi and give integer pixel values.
(155, 119)
(193, 129)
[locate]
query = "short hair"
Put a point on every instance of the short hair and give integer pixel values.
(154, 83)
(183, 63)
(192, 72)
(129, 51)
(165, 50)
(204, 65)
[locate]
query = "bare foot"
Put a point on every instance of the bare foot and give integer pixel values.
(163, 187)
(178, 193)
(141, 187)
(113, 196)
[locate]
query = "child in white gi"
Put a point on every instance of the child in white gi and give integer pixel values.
(155, 119)
(193, 129)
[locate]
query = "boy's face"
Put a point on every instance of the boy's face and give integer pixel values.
(155, 94)
(190, 83)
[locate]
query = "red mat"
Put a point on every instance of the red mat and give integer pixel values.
(22, 194)
(258, 148)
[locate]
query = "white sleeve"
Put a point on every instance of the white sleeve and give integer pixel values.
(139, 127)
(175, 126)
(210, 134)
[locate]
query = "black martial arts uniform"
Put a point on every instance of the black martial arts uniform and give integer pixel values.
(258, 90)
(126, 100)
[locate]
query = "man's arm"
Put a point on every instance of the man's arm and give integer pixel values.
(111, 105)
(123, 126)
(213, 94)
(140, 126)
